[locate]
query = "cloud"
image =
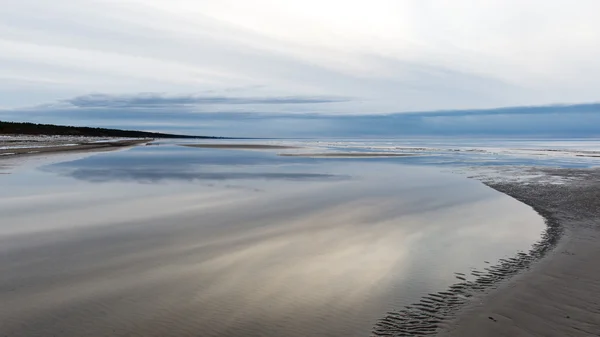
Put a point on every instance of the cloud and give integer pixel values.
(519, 110)
(189, 165)
(386, 55)
(570, 120)
(154, 176)
(155, 100)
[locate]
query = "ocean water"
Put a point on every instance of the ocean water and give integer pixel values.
(167, 240)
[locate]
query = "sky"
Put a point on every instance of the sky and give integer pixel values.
(327, 66)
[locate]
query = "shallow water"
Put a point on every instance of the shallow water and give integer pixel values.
(454, 151)
(174, 241)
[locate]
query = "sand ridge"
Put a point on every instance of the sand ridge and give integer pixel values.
(84, 146)
(242, 146)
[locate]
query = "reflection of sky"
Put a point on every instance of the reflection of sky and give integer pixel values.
(179, 163)
(149, 175)
(296, 258)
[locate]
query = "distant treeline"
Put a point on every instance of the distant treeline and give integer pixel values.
(12, 128)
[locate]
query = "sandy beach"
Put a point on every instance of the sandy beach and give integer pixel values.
(560, 295)
(163, 242)
(240, 146)
(553, 290)
(550, 290)
(303, 154)
(48, 147)
(347, 155)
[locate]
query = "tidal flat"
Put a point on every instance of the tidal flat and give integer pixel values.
(175, 241)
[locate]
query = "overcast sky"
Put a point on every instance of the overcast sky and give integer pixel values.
(385, 55)
(309, 56)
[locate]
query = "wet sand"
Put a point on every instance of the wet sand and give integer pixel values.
(240, 146)
(81, 147)
(347, 155)
(560, 296)
(553, 290)
(307, 155)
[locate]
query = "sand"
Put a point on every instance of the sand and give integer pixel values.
(553, 290)
(347, 155)
(240, 146)
(311, 155)
(560, 296)
(97, 146)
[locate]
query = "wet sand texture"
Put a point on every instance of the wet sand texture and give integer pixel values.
(79, 147)
(559, 296)
(240, 146)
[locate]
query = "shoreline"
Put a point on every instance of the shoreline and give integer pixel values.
(559, 295)
(347, 155)
(553, 290)
(240, 146)
(80, 147)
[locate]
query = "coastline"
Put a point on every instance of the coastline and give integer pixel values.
(99, 230)
(240, 146)
(79, 147)
(559, 295)
(553, 290)
(347, 155)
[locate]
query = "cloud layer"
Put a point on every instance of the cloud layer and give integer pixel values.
(320, 68)
(386, 55)
(259, 117)
(153, 100)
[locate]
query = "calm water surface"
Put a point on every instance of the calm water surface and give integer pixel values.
(174, 241)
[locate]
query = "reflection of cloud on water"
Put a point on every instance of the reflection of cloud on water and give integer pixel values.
(299, 259)
(332, 262)
(153, 175)
(302, 259)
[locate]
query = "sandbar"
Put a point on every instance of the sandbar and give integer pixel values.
(240, 146)
(92, 146)
(347, 154)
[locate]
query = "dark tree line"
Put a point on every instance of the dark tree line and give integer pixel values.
(14, 128)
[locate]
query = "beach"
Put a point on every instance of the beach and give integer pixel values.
(552, 290)
(177, 241)
(262, 168)
(347, 155)
(560, 294)
(240, 146)
(173, 240)
(19, 146)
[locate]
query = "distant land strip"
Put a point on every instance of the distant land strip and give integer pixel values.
(79, 147)
(16, 128)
